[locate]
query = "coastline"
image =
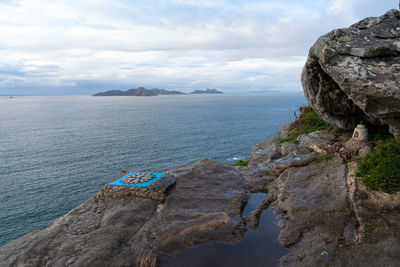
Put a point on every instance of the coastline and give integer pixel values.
(146, 226)
(83, 142)
(327, 215)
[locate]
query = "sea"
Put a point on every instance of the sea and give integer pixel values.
(58, 151)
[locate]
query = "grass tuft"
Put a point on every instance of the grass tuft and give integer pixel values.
(380, 169)
(240, 162)
(266, 188)
(307, 122)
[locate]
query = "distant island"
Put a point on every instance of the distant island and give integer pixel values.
(138, 92)
(141, 91)
(207, 91)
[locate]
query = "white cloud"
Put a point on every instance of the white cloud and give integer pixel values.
(197, 3)
(337, 6)
(172, 44)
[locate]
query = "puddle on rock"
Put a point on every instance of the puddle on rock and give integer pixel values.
(258, 247)
(254, 201)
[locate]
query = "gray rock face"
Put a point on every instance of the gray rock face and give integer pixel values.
(128, 226)
(328, 217)
(265, 152)
(312, 222)
(260, 171)
(353, 74)
(293, 160)
(287, 148)
(377, 232)
(319, 141)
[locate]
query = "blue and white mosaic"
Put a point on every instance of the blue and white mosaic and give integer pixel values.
(138, 179)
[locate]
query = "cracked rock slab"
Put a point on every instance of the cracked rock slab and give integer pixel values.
(313, 207)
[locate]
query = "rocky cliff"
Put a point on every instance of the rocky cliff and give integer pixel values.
(353, 74)
(328, 217)
(326, 214)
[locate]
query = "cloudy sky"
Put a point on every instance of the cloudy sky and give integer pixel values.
(54, 47)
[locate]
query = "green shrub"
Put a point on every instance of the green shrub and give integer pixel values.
(246, 219)
(307, 122)
(240, 162)
(380, 169)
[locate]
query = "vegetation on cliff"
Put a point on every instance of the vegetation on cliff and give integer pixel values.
(380, 169)
(241, 162)
(307, 122)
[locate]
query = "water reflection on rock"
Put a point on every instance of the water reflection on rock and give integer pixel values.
(259, 247)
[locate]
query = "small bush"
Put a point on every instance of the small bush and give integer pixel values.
(380, 169)
(307, 122)
(240, 162)
(246, 219)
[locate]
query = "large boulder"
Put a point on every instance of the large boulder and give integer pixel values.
(353, 74)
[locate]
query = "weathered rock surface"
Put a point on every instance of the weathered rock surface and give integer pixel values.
(266, 152)
(293, 160)
(260, 171)
(328, 217)
(317, 141)
(353, 74)
(377, 237)
(314, 211)
(290, 148)
(270, 158)
(127, 226)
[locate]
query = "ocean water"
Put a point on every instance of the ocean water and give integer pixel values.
(56, 152)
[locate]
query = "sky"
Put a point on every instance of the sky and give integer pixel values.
(53, 47)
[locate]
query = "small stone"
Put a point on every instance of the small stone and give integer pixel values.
(364, 151)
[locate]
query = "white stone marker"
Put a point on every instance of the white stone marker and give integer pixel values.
(360, 132)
